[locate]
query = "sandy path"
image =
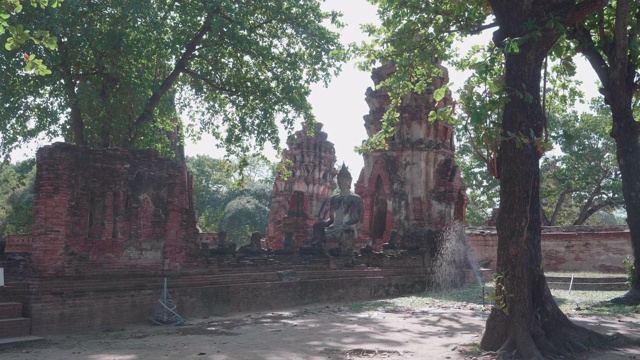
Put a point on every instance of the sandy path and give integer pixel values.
(314, 333)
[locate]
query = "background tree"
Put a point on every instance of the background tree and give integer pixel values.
(580, 178)
(242, 216)
(16, 197)
(226, 201)
(584, 178)
(211, 187)
(414, 32)
(124, 70)
(609, 40)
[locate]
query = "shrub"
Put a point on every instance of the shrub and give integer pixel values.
(630, 270)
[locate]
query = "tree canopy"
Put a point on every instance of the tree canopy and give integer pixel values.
(16, 197)
(584, 178)
(124, 71)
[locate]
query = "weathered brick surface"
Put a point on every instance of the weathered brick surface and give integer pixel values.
(297, 200)
(110, 225)
(14, 292)
(414, 186)
(111, 211)
(10, 310)
(571, 249)
(14, 327)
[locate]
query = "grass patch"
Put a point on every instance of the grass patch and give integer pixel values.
(592, 303)
(376, 305)
(465, 298)
(470, 350)
(583, 274)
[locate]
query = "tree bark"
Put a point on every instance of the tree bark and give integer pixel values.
(622, 72)
(584, 209)
(559, 204)
(527, 321)
(628, 153)
(77, 123)
(617, 71)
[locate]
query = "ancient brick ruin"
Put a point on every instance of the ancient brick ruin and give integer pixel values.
(106, 211)
(414, 187)
(297, 200)
(110, 225)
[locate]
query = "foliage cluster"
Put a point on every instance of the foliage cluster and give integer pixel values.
(126, 72)
(225, 202)
(19, 34)
(580, 179)
(16, 197)
(630, 270)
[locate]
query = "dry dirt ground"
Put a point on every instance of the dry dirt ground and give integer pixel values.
(312, 332)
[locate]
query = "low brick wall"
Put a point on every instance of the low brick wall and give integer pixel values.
(72, 305)
(567, 249)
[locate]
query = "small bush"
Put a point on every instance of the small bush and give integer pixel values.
(629, 269)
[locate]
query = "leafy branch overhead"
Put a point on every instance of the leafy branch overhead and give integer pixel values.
(126, 73)
(19, 34)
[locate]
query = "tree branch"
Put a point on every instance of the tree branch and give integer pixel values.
(595, 58)
(620, 41)
(559, 204)
(199, 77)
(180, 66)
(582, 217)
(594, 209)
(569, 15)
(482, 28)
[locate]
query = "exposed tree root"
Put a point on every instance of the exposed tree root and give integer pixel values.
(550, 335)
(560, 342)
(632, 297)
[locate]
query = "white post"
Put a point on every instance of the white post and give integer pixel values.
(1, 276)
(571, 284)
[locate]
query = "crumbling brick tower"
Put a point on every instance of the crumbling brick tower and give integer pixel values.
(414, 187)
(111, 211)
(297, 200)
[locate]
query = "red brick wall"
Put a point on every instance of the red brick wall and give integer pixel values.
(570, 249)
(111, 211)
(65, 306)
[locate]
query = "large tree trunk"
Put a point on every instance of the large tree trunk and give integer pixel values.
(527, 320)
(76, 121)
(617, 72)
(628, 152)
(619, 91)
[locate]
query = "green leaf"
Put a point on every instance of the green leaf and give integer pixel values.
(11, 44)
(440, 93)
(433, 116)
